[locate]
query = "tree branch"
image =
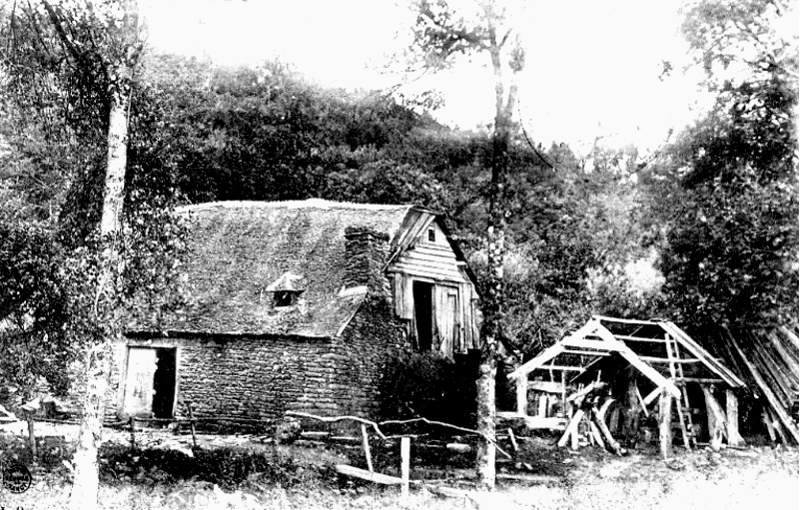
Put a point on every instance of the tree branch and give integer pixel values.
(376, 426)
(62, 34)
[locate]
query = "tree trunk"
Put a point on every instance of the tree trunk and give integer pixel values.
(495, 236)
(86, 484)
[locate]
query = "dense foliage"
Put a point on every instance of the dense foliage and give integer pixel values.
(716, 210)
(731, 244)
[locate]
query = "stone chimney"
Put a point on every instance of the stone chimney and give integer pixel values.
(365, 253)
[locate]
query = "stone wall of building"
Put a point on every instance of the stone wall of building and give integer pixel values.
(234, 380)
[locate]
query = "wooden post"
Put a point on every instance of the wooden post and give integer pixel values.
(598, 438)
(191, 424)
(776, 424)
(367, 452)
(513, 439)
(522, 395)
(563, 394)
(716, 422)
(132, 426)
(770, 428)
(31, 436)
(732, 412)
(574, 444)
(405, 465)
(665, 425)
(603, 428)
(542, 407)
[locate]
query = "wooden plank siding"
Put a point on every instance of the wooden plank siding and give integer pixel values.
(428, 257)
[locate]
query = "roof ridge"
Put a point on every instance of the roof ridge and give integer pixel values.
(311, 203)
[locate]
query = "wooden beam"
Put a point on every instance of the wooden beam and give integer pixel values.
(732, 412)
(543, 357)
(367, 452)
(641, 402)
(522, 395)
(561, 367)
(585, 391)
(405, 464)
(623, 321)
(665, 423)
(587, 353)
(650, 372)
(770, 426)
(601, 345)
(716, 419)
(770, 396)
(363, 474)
(791, 336)
(652, 396)
(712, 363)
(573, 426)
(634, 360)
(610, 441)
(700, 380)
(655, 359)
(546, 386)
(513, 439)
(545, 423)
(640, 339)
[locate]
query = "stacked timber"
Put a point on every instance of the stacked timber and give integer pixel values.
(770, 360)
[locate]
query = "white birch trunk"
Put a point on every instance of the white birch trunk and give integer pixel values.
(85, 487)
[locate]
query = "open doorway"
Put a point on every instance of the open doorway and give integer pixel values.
(164, 383)
(150, 382)
(423, 314)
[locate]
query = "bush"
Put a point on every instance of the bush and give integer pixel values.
(431, 386)
(227, 467)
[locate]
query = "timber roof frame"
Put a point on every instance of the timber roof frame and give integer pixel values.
(596, 339)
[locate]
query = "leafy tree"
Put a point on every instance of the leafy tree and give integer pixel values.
(33, 311)
(731, 243)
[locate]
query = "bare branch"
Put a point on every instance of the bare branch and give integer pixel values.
(333, 419)
(376, 426)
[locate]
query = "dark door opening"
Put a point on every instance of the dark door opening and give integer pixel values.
(164, 383)
(423, 314)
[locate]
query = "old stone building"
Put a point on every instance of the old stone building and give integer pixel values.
(295, 305)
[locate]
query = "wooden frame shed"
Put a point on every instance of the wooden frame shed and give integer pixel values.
(643, 360)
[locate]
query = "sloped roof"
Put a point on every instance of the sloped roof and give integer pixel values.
(238, 249)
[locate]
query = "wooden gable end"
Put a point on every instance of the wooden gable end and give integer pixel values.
(432, 259)
(429, 258)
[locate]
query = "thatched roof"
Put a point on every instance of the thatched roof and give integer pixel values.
(241, 251)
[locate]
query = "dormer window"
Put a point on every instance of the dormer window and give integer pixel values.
(282, 298)
(286, 290)
(431, 235)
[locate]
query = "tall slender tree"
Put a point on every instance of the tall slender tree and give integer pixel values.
(90, 50)
(443, 32)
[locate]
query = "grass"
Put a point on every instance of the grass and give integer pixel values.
(701, 480)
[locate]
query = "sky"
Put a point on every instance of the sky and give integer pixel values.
(592, 68)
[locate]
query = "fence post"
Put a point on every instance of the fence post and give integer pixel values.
(191, 424)
(132, 426)
(365, 440)
(405, 464)
(31, 436)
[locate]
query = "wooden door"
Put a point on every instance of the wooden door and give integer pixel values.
(139, 382)
(448, 319)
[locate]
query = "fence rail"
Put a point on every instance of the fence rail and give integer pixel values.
(131, 422)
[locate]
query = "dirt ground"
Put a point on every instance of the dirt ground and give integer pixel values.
(588, 479)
